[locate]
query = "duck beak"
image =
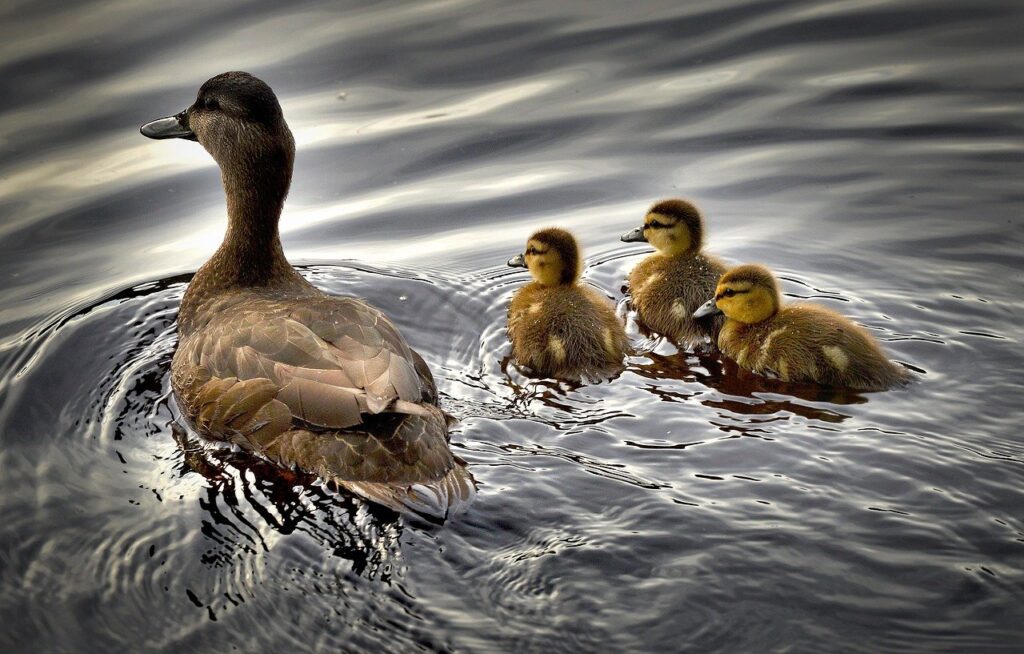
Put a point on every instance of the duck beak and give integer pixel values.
(709, 308)
(517, 261)
(172, 127)
(634, 236)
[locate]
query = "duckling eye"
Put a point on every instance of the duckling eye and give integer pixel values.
(654, 224)
(210, 104)
(728, 292)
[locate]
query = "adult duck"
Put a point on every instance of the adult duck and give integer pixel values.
(267, 361)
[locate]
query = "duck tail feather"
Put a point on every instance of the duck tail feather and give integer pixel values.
(434, 500)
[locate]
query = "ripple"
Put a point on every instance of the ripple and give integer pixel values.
(867, 152)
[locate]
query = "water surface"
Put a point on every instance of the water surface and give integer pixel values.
(870, 152)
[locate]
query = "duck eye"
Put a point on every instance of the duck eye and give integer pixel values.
(210, 104)
(728, 292)
(654, 224)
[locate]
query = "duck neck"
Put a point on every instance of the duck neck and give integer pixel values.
(251, 253)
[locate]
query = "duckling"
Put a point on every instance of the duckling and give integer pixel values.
(267, 361)
(796, 342)
(669, 285)
(558, 326)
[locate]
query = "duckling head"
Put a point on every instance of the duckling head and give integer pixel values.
(673, 227)
(238, 119)
(747, 294)
(552, 257)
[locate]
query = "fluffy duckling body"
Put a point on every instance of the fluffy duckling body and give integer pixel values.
(669, 285)
(558, 326)
(274, 365)
(796, 342)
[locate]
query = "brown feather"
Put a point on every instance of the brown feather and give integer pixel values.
(667, 290)
(578, 317)
(791, 345)
(797, 342)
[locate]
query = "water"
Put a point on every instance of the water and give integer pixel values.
(870, 152)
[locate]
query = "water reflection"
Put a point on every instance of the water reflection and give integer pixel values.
(868, 152)
(740, 392)
(286, 501)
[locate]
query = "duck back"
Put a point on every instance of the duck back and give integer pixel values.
(809, 343)
(667, 290)
(565, 331)
(326, 384)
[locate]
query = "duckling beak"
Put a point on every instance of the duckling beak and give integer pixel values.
(709, 308)
(172, 127)
(517, 261)
(634, 236)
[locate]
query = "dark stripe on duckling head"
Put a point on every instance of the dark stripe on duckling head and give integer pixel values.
(240, 94)
(564, 243)
(753, 274)
(730, 292)
(685, 212)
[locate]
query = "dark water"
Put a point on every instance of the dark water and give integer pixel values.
(871, 152)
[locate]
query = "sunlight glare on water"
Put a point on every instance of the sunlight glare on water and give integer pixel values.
(870, 153)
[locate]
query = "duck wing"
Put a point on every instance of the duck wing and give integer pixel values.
(402, 461)
(330, 387)
(332, 360)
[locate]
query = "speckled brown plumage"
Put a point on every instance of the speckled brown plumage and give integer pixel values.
(795, 343)
(584, 322)
(665, 291)
(270, 363)
(669, 285)
(563, 328)
(798, 342)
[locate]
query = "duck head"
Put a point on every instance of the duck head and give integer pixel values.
(673, 227)
(238, 119)
(748, 294)
(552, 257)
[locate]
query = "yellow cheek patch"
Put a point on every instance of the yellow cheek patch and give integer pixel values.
(747, 306)
(543, 272)
(672, 239)
(836, 356)
(535, 307)
(557, 349)
(667, 243)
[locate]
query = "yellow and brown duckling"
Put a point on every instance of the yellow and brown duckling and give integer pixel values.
(796, 342)
(669, 285)
(558, 326)
(274, 365)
